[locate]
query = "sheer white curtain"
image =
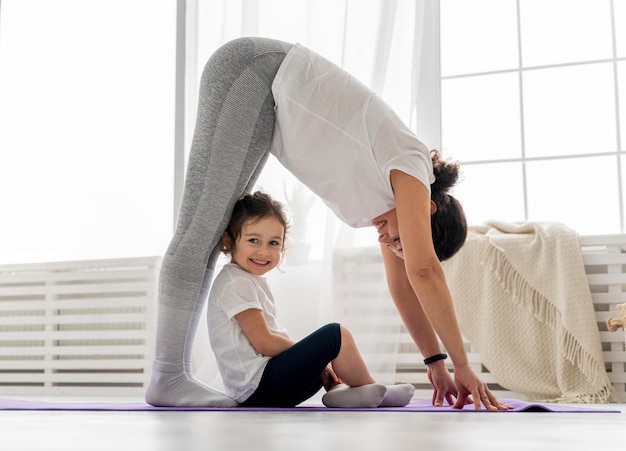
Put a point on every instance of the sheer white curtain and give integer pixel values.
(389, 45)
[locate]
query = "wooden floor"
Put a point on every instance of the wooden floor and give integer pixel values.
(315, 431)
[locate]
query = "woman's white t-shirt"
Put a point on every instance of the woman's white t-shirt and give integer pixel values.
(340, 139)
(234, 291)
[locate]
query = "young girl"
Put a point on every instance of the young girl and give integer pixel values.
(259, 363)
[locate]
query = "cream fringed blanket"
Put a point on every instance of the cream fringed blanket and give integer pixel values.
(523, 300)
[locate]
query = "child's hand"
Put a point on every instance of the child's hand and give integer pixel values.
(329, 378)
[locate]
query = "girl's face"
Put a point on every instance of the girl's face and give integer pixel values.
(387, 227)
(259, 247)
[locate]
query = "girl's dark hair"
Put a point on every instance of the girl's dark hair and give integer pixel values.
(252, 206)
(448, 223)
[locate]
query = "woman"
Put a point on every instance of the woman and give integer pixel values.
(259, 96)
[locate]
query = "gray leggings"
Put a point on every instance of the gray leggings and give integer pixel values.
(230, 145)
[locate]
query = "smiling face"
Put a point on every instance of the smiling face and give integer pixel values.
(259, 247)
(388, 231)
(387, 227)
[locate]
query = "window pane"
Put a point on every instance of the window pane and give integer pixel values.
(619, 11)
(481, 117)
(478, 36)
(562, 31)
(569, 110)
(491, 191)
(573, 192)
(86, 128)
(621, 74)
(569, 107)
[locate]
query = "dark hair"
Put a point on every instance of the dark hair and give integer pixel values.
(448, 223)
(252, 206)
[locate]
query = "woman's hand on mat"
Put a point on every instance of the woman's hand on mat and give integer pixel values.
(443, 384)
(468, 383)
(329, 378)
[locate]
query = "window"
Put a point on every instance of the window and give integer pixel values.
(532, 104)
(533, 94)
(86, 128)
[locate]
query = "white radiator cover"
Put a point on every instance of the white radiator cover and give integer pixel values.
(77, 328)
(87, 327)
(361, 301)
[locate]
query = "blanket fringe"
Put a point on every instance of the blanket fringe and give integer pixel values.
(543, 310)
(604, 395)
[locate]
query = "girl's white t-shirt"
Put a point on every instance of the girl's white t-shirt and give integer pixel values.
(340, 139)
(233, 291)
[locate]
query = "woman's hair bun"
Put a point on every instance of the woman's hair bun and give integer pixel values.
(446, 173)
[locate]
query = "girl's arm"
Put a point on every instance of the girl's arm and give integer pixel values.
(255, 328)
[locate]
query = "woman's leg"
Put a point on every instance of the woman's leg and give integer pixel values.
(231, 143)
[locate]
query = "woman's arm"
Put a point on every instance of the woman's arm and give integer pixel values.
(418, 326)
(428, 282)
(255, 328)
(421, 265)
(408, 304)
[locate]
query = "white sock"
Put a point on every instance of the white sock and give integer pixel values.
(177, 389)
(172, 382)
(398, 395)
(365, 396)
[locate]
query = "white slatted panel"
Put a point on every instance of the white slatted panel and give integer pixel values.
(360, 291)
(84, 327)
(605, 265)
(361, 302)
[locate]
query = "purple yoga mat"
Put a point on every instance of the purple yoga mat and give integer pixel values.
(415, 406)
